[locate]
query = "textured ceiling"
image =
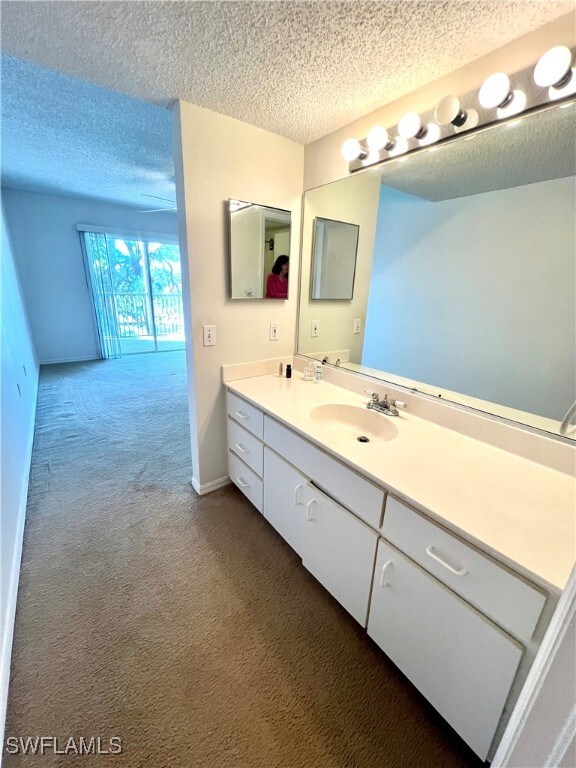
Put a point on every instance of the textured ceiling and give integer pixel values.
(299, 69)
(65, 136)
(86, 85)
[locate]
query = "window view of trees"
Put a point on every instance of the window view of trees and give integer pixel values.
(143, 283)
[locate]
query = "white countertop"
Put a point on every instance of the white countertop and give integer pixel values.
(521, 512)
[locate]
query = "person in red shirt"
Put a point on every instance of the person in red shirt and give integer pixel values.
(277, 280)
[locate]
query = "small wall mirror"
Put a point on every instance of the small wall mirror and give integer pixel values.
(259, 250)
(334, 249)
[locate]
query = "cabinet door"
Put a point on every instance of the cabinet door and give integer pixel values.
(284, 490)
(459, 660)
(339, 550)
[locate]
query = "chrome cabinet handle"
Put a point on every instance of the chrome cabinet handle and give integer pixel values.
(296, 502)
(434, 556)
(308, 506)
(241, 448)
(241, 415)
(384, 569)
(242, 482)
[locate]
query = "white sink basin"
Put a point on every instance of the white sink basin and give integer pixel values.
(355, 422)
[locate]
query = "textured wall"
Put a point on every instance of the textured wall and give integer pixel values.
(48, 252)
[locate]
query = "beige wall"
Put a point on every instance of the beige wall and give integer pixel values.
(217, 157)
(355, 202)
(323, 161)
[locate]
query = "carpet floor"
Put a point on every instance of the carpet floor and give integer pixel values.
(181, 624)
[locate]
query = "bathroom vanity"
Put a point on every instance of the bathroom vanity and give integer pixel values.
(452, 553)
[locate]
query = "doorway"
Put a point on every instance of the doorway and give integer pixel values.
(136, 286)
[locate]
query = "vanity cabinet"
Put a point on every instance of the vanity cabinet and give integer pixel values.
(284, 505)
(460, 661)
(463, 627)
(339, 550)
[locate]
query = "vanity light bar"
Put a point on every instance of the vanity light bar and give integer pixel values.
(497, 99)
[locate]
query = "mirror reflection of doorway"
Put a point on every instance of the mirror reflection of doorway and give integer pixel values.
(277, 242)
(137, 290)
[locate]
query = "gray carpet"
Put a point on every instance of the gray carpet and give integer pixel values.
(183, 625)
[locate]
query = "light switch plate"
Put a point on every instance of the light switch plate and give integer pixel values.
(314, 329)
(209, 335)
(273, 331)
(356, 325)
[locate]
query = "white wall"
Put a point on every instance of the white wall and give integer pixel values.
(450, 284)
(217, 157)
(49, 257)
(356, 202)
(19, 385)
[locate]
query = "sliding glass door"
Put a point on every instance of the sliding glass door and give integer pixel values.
(137, 289)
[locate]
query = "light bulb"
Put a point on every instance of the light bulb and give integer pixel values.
(449, 110)
(553, 67)
(432, 134)
(351, 150)
(377, 138)
(495, 91)
(400, 146)
(373, 156)
(470, 122)
(515, 105)
(410, 126)
(567, 88)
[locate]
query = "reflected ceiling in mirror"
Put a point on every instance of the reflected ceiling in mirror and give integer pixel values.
(259, 250)
(465, 276)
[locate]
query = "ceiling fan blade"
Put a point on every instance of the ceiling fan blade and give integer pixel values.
(159, 210)
(159, 198)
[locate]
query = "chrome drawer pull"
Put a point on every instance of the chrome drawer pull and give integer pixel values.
(434, 556)
(241, 448)
(296, 502)
(384, 569)
(242, 482)
(310, 519)
(241, 415)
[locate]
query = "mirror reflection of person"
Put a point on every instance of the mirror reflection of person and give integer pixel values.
(277, 280)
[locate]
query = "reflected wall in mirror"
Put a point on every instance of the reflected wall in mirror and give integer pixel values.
(259, 250)
(465, 278)
(333, 259)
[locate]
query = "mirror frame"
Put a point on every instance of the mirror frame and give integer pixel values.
(316, 259)
(229, 213)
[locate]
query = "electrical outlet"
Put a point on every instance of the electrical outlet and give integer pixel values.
(274, 332)
(356, 325)
(209, 335)
(314, 329)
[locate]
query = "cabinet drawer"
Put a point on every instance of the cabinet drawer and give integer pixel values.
(506, 598)
(247, 480)
(341, 483)
(459, 660)
(246, 414)
(246, 446)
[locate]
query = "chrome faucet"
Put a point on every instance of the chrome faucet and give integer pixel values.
(386, 405)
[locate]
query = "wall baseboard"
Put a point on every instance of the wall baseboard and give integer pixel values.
(10, 607)
(69, 360)
(209, 487)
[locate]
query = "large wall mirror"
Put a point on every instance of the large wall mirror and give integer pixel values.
(465, 274)
(259, 250)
